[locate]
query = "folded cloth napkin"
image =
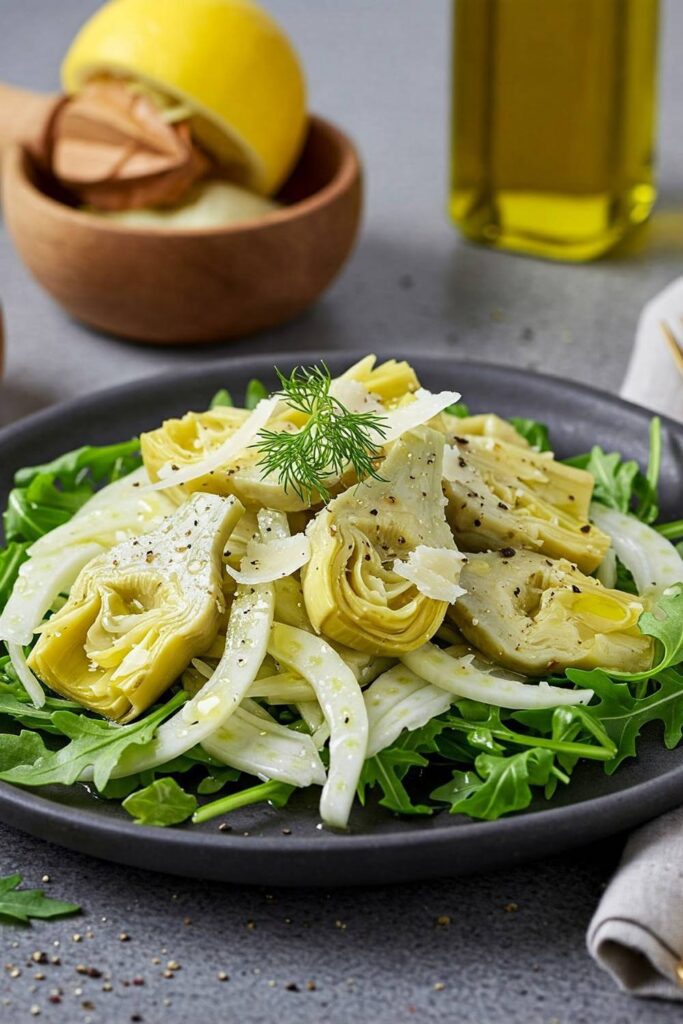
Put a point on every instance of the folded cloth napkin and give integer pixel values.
(652, 378)
(637, 931)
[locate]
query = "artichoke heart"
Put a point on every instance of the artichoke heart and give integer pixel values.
(537, 615)
(485, 424)
(351, 592)
(390, 381)
(502, 495)
(181, 442)
(138, 613)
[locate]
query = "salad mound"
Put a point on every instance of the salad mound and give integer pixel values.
(349, 583)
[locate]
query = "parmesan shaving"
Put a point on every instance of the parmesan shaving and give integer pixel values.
(425, 407)
(434, 571)
(272, 560)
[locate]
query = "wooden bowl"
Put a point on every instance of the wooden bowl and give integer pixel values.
(200, 285)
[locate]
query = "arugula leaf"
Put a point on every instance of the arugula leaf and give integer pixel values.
(222, 397)
(672, 531)
(217, 778)
(501, 784)
(101, 462)
(276, 793)
(94, 744)
(11, 559)
(22, 904)
(665, 624)
(163, 802)
(387, 770)
(15, 750)
(622, 715)
(532, 431)
(256, 390)
(620, 484)
(459, 410)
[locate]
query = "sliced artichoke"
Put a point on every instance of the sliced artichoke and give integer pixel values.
(390, 381)
(140, 612)
(501, 495)
(351, 592)
(181, 442)
(486, 424)
(536, 615)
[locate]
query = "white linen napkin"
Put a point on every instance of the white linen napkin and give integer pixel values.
(637, 931)
(652, 378)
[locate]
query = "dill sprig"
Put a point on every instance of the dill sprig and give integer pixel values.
(332, 439)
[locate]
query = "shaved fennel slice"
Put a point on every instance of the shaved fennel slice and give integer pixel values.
(251, 616)
(226, 453)
(284, 688)
(122, 509)
(606, 572)
(341, 700)
(425, 407)
(261, 746)
(272, 560)
(400, 700)
(462, 678)
(652, 560)
(41, 580)
(434, 571)
(311, 713)
(26, 677)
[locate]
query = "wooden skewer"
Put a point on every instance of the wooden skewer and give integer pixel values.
(674, 346)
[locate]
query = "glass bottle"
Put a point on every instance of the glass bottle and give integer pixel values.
(553, 123)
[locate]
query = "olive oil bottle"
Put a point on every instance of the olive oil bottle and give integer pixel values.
(553, 123)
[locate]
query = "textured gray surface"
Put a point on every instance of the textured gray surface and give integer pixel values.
(380, 69)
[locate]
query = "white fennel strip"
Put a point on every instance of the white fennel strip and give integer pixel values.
(27, 678)
(226, 453)
(272, 560)
(652, 560)
(341, 701)
(261, 746)
(41, 580)
(399, 700)
(461, 678)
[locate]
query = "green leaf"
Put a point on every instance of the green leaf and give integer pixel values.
(387, 770)
(217, 779)
(623, 715)
(276, 793)
(163, 802)
(459, 409)
(94, 744)
(11, 559)
(672, 531)
(22, 904)
(15, 750)
(665, 624)
(504, 784)
(221, 398)
(534, 432)
(256, 391)
(101, 462)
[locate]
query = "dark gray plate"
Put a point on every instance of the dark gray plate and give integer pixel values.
(378, 847)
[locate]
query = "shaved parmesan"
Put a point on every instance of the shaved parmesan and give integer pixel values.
(354, 396)
(434, 571)
(226, 453)
(425, 407)
(272, 560)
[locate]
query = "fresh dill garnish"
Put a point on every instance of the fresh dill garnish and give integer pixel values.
(332, 439)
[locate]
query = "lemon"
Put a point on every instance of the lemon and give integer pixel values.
(225, 60)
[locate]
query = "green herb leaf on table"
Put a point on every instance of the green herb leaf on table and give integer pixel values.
(94, 744)
(161, 803)
(23, 904)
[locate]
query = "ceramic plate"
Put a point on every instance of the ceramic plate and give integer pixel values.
(378, 847)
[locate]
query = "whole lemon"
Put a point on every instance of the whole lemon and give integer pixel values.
(226, 61)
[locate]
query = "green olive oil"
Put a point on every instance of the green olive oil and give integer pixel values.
(553, 123)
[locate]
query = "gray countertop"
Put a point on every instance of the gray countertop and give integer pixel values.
(511, 945)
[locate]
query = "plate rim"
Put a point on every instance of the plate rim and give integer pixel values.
(32, 812)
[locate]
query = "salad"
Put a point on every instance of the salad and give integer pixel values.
(351, 584)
